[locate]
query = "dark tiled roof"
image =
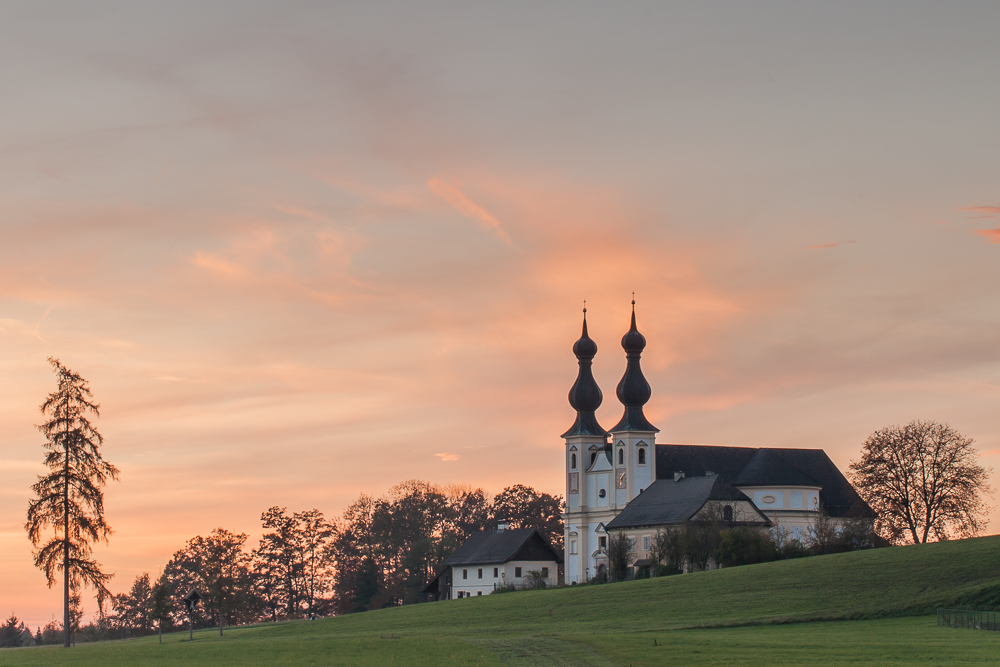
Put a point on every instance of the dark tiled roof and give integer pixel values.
(667, 502)
(500, 546)
(767, 466)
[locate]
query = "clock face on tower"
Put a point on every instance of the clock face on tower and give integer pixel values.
(621, 480)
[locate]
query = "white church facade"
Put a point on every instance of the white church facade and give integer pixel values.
(622, 480)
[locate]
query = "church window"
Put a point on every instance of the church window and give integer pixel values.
(517, 572)
(602, 542)
(480, 573)
(572, 546)
(593, 457)
(602, 493)
(621, 457)
(572, 461)
(642, 456)
(465, 574)
(545, 573)
(496, 572)
(727, 513)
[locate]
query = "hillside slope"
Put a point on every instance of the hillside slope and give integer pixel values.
(632, 622)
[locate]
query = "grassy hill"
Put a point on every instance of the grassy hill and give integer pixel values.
(786, 611)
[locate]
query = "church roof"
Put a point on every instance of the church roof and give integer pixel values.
(767, 468)
(750, 466)
(500, 546)
(667, 502)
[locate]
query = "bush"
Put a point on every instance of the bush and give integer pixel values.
(745, 546)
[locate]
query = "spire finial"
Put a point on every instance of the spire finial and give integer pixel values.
(584, 309)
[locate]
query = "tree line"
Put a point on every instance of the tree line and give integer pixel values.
(381, 552)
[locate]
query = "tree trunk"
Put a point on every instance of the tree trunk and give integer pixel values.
(66, 627)
(220, 622)
(159, 631)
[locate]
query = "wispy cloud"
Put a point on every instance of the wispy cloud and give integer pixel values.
(991, 235)
(448, 456)
(454, 197)
(983, 211)
(832, 244)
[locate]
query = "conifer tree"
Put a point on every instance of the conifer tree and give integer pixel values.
(70, 499)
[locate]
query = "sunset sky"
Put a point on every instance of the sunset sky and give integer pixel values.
(308, 250)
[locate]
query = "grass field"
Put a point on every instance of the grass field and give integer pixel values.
(860, 608)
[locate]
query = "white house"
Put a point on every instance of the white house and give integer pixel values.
(489, 559)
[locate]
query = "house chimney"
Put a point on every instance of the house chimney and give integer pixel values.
(678, 476)
(501, 527)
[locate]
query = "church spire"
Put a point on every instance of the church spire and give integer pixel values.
(633, 390)
(585, 396)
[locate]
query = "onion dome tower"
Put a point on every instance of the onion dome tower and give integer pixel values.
(633, 390)
(585, 396)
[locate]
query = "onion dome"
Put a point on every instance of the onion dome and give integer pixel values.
(585, 396)
(633, 390)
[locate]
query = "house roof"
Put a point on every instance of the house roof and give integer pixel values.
(500, 546)
(667, 502)
(750, 466)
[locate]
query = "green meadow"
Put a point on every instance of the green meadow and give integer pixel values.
(872, 607)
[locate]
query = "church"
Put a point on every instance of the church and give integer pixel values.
(622, 480)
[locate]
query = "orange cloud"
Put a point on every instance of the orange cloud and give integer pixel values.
(992, 235)
(446, 456)
(822, 245)
(983, 211)
(454, 198)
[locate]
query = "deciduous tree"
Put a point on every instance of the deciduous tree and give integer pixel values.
(924, 481)
(70, 498)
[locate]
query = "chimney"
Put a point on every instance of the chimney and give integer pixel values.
(678, 476)
(501, 527)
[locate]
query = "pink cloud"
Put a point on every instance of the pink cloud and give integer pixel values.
(983, 211)
(458, 201)
(992, 235)
(822, 245)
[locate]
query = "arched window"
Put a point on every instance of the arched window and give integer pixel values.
(642, 456)
(727, 513)
(621, 457)
(593, 457)
(572, 461)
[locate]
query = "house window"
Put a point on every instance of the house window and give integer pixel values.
(480, 573)
(572, 546)
(572, 461)
(465, 574)
(727, 513)
(545, 573)
(496, 572)
(479, 593)
(642, 456)
(602, 542)
(631, 544)
(517, 572)
(621, 457)
(461, 594)
(645, 542)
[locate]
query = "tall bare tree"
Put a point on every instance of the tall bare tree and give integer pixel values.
(924, 480)
(70, 499)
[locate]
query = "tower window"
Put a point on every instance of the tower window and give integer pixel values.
(572, 461)
(642, 456)
(621, 457)
(593, 457)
